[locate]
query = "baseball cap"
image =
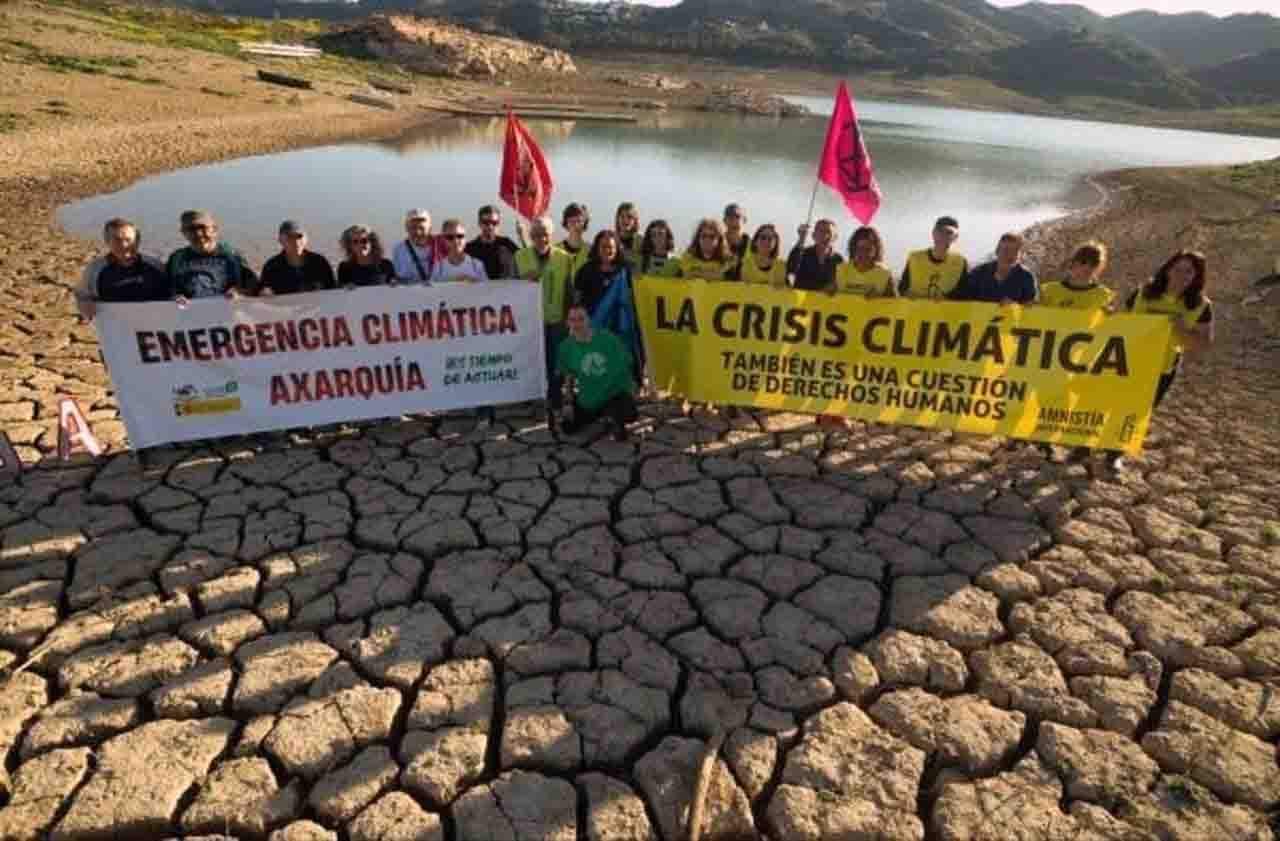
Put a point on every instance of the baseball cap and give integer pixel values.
(291, 226)
(416, 213)
(947, 222)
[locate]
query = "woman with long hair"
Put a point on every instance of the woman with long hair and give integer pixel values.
(626, 224)
(708, 256)
(865, 272)
(603, 287)
(761, 263)
(1176, 291)
(656, 249)
(366, 264)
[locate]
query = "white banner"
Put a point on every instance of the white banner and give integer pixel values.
(218, 367)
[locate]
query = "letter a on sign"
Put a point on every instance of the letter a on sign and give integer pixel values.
(10, 464)
(73, 431)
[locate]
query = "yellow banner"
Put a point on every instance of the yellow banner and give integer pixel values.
(1069, 377)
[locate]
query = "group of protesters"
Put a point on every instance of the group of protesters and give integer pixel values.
(591, 330)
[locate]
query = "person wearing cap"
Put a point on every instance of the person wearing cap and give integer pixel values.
(295, 269)
(414, 256)
(735, 233)
(206, 267)
(935, 272)
(1003, 280)
(122, 275)
(497, 252)
(814, 268)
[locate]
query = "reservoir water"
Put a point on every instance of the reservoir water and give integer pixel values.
(994, 171)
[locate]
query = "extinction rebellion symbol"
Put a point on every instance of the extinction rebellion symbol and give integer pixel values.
(853, 163)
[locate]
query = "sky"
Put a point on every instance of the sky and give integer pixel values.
(1221, 8)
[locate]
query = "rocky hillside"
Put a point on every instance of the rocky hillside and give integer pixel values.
(425, 45)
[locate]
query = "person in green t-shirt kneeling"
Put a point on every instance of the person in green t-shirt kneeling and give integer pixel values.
(599, 366)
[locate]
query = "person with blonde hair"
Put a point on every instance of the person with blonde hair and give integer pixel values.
(1081, 289)
(457, 264)
(708, 256)
(414, 257)
(365, 264)
(123, 274)
(1003, 280)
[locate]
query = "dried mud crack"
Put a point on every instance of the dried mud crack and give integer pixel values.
(424, 630)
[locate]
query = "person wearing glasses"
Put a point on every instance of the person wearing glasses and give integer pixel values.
(457, 264)
(365, 264)
(414, 256)
(935, 272)
(122, 275)
(656, 249)
(295, 269)
(865, 273)
(206, 267)
(813, 268)
(497, 252)
(708, 256)
(762, 265)
(735, 230)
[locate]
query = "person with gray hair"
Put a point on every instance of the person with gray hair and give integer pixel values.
(365, 265)
(414, 256)
(207, 267)
(552, 269)
(122, 275)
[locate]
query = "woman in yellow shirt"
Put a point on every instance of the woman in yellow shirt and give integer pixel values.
(708, 256)
(656, 257)
(1176, 291)
(1081, 289)
(761, 264)
(865, 273)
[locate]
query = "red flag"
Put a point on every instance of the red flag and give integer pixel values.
(845, 166)
(525, 183)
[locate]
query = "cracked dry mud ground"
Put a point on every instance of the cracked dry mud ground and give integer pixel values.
(424, 630)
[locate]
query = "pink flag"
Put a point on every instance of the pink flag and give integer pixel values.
(845, 166)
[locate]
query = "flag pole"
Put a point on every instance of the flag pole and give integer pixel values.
(812, 201)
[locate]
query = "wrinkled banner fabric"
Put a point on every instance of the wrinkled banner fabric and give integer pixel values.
(216, 367)
(1056, 375)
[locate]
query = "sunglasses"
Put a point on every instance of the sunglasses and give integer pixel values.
(455, 236)
(359, 240)
(490, 221)
(191, 229)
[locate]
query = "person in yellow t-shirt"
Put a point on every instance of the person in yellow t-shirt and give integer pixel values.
(761, 263)
(708, 256)
(1177, 292)
(656, 250)
(1081, 290)
(865, 273)
(935, 272)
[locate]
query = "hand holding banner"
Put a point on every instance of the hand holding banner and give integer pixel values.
(525, 182)
(846, 165)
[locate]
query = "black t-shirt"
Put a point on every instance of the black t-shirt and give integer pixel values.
(981, 284)
(314, 274)
(140, 281)
(351, 273)
(810, 272)
(740, 247)
(590, 283)
(498, 256)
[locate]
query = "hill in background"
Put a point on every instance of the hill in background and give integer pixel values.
(1048, 51)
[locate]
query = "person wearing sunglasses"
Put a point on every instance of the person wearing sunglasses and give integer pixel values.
(763, 265)
(457, 264)
(365, 264)
(295, 268)
(497, 252)
(708, 256)
(206, 267)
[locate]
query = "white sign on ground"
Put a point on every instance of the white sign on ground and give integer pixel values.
(217, 367)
